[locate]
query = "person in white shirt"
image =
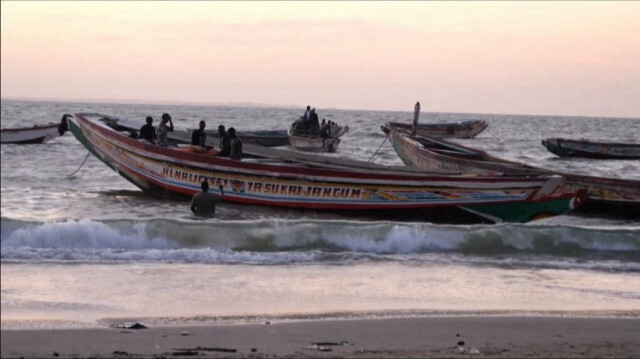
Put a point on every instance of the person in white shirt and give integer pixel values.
(166, 125)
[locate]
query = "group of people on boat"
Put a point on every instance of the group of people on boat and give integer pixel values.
(309, 126)
(203, 203)
(230, 144)
(157, 136)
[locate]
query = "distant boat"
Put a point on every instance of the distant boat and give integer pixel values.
(283, 178)
(267, 138)
(466, 129)
(33, 135)
(304, 139)
(591, 149)
(436, 155)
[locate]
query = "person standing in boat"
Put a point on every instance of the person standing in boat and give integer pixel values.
(333, 129)
(324, 129)
(203, 203)
(199, 137)
(307, 114)
(148, 131)
(236, 145)
(225, 143)
(166, 125)
(223, 137)
(315, 123)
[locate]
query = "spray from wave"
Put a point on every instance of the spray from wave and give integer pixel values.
(296, 241)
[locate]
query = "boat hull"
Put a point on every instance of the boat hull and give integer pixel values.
(165, 171)
(29, 135)
(620, 197)
(466, 129)
(590, 149)
(314, 144)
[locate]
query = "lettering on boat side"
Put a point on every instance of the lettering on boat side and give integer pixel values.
(291, 191)
(305, 191)
(626, 151)
(240, 186)
(193, 178)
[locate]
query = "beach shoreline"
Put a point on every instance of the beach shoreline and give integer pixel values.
(418, 337)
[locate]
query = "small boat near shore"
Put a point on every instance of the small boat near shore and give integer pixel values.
(436, 155)
(591, 149)
(283, 178)
(33, 135)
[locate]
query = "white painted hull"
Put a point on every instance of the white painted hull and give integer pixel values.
(29, 135)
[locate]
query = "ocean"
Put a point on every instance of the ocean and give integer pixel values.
(82, 247)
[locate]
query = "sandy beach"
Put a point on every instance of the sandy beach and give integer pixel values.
(433, 337)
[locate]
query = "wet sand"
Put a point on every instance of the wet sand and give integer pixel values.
(433, 337)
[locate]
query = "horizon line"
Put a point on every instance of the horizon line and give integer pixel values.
(257, 105)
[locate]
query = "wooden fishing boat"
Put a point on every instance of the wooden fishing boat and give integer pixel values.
(465, 129)
(267, 138)
(32, 135)
(313, 142)
(591, 149)
(283, 178)
(436, 155)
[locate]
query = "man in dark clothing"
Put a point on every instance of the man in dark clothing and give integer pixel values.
(148, 131)
(225, 142)
(324, 129)
(204, 203)
(236, 145)
(315, 124)
(199, 137)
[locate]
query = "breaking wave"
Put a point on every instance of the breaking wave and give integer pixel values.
(304, 241)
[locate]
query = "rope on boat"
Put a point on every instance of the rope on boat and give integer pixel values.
(383, 141)
(491, 133)
(85, 160)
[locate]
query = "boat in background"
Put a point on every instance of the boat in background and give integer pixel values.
(591, 149)
(465, 129)
(308, 140)
(435, 155)
(283, 178)
(267, 138)
(33, 135)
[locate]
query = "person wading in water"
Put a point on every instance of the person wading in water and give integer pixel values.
(203, 203)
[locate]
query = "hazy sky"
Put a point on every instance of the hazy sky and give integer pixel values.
(547, 58)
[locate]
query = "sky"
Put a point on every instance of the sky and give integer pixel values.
(542, 57)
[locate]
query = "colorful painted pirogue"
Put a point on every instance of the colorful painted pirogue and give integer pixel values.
(437, 155)
(345, 186)
(591, 149)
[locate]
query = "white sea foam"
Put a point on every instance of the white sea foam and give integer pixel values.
(296, 241)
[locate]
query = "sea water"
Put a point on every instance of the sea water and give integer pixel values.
(83, 247)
